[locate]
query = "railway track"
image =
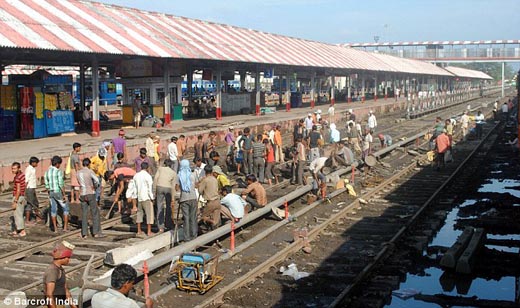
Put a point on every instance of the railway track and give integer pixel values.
(29, 258)
(349, 242)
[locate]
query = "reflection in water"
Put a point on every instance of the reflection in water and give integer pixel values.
(436, 281)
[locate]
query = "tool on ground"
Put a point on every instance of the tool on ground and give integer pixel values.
(107, 216)
(197, 271)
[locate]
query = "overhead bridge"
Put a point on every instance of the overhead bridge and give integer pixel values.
(448, 51)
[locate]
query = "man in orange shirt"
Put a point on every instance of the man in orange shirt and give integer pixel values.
(442, 145)
(278, 144)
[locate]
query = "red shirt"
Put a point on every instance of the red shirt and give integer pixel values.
(19, 178)
(443, 143)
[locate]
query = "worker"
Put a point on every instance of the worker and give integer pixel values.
(208, 188)
(221, 177)
(232, 206)
(57, 293)
(442, 145)
(121, 282)
(120, 179)
(319, 183)
(254, 194)
(385, 140)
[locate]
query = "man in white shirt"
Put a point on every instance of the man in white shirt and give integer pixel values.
(232, 205)
(367, 142)
(331, 114)
(122, 282)
(372, 121)
(30, 190)
(173, 153)
(308, 124)
(150, 151)
(320, 180)
(505, 111)
(144, 184)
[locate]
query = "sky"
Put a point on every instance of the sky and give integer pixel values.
(351, 21)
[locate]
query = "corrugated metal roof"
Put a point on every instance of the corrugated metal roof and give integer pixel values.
(28, 70)
(426, 43)
(467, 73)
(85, 26)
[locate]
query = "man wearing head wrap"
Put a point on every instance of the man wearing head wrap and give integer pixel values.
(54, 280)
(188, 199)
(164, 188)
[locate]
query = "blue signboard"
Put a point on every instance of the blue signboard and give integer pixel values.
(59, 121)
(269, 73)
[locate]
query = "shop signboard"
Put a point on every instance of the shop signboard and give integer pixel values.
(136, 68)
(59, 121)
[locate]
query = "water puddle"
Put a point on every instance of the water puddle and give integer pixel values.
(502, 186)
(434, 280)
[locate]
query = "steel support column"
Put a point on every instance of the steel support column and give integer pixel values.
(363, 89)
(219, 95)
(313, 90)
(257, 91)
(504, 78)
(288, 93)
(82, 86)
(95, 99)
(376, 87)
(167, 95)
(349, 91)
(333, 90)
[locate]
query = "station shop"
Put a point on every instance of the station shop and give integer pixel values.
(36, 106)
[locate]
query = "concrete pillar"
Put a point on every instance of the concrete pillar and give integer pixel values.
(363, 89)
(167, 95)
(313, 90)
(333, 90)
(385, 83)
(219, 95)
(257, 91)
(504, 78)
(95, 99)
(82, 86)
(243, 81)
(349, 91)
(189, 83)
(288, 92)
(376, 86)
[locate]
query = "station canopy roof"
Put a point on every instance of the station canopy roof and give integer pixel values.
(90, 27)
(467, 73)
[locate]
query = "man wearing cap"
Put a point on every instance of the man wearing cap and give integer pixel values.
(119, 145)
(122, 282)
(372, 121)
(97, 164)
(221, 177)
(56, 290)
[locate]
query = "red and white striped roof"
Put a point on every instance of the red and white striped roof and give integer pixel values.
(85, 26)
(426, 43)
(28, 70)
(467, 73)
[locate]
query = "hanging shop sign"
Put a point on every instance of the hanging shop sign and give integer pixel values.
(136, 68)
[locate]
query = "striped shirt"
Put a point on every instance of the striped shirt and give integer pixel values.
(258, 150)
(54, 179)
(19, 179)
